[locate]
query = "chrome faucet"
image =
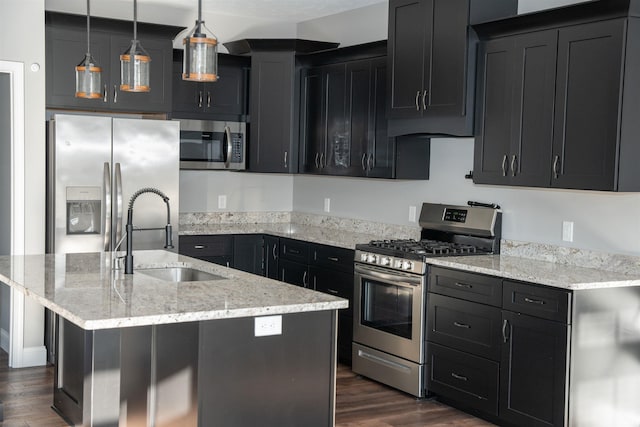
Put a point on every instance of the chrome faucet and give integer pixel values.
(128, 260)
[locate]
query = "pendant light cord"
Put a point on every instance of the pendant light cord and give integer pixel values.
(88, 28)
(135, 20)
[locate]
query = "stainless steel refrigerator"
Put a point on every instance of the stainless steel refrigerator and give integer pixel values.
(95, 164)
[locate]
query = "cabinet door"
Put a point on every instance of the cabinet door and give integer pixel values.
(381, 150)
(532, 120)
(588, 94)
(294, 273)
(533, 371)
(217, 249)
(65, 48)
(337, 142)
(158, 99)
(312, 127)
(445, 84)
(226, 96)
(359, 101)
(272, 92)
(409, 48)
(495, 94)
(187, 95)
(248, 253)
(272, 248)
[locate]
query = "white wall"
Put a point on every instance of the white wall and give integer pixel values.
(5, 164)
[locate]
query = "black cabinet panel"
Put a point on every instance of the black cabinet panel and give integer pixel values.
(272, 250)
(294, 273)
(249, 253)
(212, 248)
(294, 250)
(539, 301)
(332, 257)
(533, 375)
(468, 286)
(312, 140)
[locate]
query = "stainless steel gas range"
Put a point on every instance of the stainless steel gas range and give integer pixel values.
(390, 295)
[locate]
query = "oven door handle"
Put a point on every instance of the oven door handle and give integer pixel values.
(396, 278)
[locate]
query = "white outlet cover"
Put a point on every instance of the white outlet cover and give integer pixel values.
(412, 213)
(327, 204)
(265, 326)
(567, 231)
(222, 201)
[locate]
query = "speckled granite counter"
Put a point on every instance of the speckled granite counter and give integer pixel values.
(84, 289)
(541, 272)
(310, 233)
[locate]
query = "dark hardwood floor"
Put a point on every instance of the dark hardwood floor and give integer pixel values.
(26, 395)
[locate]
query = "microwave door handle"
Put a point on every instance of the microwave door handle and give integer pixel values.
(106, 198)
(229, 146)
(118, 179)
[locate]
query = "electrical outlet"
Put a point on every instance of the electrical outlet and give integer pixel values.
(412, 213)
(567, 231)
(327, 204)
(222, 201)
(268, 325)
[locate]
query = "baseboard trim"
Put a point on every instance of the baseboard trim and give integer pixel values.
(33, 356)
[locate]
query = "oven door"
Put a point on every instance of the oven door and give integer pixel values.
(389, 311)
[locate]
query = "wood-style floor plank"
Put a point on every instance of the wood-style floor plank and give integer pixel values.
(27, 396)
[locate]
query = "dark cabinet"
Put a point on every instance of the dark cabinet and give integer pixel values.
(66, 45)
(217, 249)
(431, 62)
(515, 101)
(225, 99)
(249, 253)
(271, 255)
(273, 147)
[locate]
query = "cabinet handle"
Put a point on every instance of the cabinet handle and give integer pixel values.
(459, 377)
(333, 258)
(199, 247)
(534, 301)
(370, 162)
(208, 99)
(332, 291)
(200, 99)
(364, 167)
(504, 165)
(104, 94)
(322, 162)
(316, 161)
(273, 251)
(461, 325)
(285, 160)
(463, 285)
(505, 327)
(513, 165)
(555, 166)
(115, 94)
(424, 100)
(292, 251)
(418, 101)
(304, 280)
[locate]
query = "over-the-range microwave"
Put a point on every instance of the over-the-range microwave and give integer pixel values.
(213, 145)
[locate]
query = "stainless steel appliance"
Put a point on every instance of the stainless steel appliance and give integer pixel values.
(95, 164)
(390, 295)
(213, 145)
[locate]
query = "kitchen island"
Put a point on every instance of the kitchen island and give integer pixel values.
(232, 349)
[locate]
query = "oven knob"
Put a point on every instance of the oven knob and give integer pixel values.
(363, 257)
(385, 261)
(407, 265)
(371, 258)
(398, 264)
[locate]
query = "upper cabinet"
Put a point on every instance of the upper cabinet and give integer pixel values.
(66, 44)
(225, 99)
(557, 99)
(431, 63)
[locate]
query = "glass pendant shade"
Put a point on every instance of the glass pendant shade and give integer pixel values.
(134, 69)
(200, 63)
(88, 73)
(88, 79)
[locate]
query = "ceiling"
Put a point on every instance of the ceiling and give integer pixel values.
(282, 10)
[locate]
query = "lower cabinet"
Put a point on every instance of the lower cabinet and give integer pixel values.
(248, 253)
(217, 249)
(507, 359)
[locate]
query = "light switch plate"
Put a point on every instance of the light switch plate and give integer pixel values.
(268, 325)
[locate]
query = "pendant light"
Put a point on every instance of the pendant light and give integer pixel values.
(135, 62)
(200, 63)
(88, 74)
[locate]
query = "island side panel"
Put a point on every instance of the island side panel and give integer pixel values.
(605, 358)
(279, 380)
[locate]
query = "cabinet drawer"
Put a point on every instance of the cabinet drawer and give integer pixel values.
(463, 377)
(539, 301)
(294, 250)
(466, 326)
(334, 283)
(468, 286)
(333, 257)
(206, 245)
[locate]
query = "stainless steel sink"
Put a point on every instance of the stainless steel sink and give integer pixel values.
(179, 274)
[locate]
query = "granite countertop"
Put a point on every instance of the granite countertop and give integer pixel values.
(87, 291)
(542, 272)
(310, 233)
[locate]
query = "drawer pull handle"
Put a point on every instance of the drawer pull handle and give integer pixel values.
(459, 377)
(534, 301)
(463, 285)
(505, 328)
(332, 291)
(333, 258)
(294, 251)
(199, 247)
(461, 325)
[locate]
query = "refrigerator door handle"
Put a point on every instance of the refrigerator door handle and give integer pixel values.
(118, 179)
(106, 197)
(229, 146)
